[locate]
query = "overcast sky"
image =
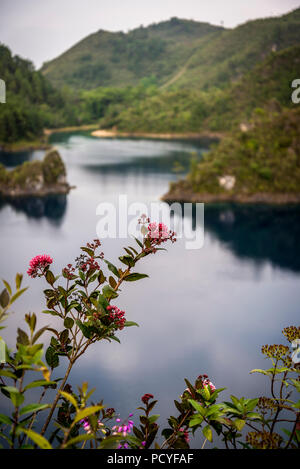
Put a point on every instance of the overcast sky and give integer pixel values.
(41, 29)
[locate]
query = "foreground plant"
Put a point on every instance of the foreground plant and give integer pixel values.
(83, 305)
(84, 310)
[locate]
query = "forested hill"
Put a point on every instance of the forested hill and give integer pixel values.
(120, 59)
(31, 102)
(177, 52)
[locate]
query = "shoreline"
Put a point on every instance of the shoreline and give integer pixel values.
(25, 146)
(43, 143)
(75, 128)
(59, 189)
(257, 198)
(103, 133)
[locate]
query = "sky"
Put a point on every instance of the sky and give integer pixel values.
(41, 30)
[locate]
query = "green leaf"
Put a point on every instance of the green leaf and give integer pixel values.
(38, 334)
(7, 285)
(239, 424)
(138, 242)
(113, 337)
(134, 277)
(112, 282)
(64, 335)
(33, 408)
(4, 298)
(19, 278)
(207, 433)
(257, 370)
(130, 324)
(4, 419)
(22, 337)
(197, 420)
(78, 439)
(109, 293)
(50, 277)
(84, 329)
(86, 412)
(127, 260)
(112, 268)
(52, 357)
(89, 251)
(8, 374)
(111, 442)
(153, 418)
(37, 439)
(69, 323)
(197, 407)
(38, 383)
(69, 398)
(16, 397)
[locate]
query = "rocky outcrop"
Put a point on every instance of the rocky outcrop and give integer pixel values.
(35, 178)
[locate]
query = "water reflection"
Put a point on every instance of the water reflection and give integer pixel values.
(52, 207)
(258, 232)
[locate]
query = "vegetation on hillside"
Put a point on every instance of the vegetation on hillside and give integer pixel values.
(264, 159)
(210, 56)
(123, 59)
(31, 102)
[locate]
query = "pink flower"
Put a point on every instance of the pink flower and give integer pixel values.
(116, 317)
(158, 231)
(38, 265)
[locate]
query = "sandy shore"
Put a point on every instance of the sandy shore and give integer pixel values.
(103, 133)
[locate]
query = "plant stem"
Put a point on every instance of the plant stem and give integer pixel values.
(57, 397)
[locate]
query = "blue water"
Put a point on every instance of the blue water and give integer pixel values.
(201, 311)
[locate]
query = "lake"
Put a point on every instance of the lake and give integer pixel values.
(201, 311)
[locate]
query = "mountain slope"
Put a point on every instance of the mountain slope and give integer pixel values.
(193, 110)
(31, 103)
(177, 53)
(226, 57)
(119, 59)
(260, 165)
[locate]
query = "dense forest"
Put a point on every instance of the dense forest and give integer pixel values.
(31, 102)
(260, 163)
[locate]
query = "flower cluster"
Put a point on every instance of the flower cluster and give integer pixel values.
(123, 427)
(203, 380)
(264, 440)
(87, 427)
(155, 234)
(159, 233)
(94, 245)
(292, 333)
(116, 317)
(266, 403)
(90, 265)
(68, 272)
(185, 434)
(146, 398)
(39, 265)
(279, 352)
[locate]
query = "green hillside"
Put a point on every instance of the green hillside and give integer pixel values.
(119, 59)
(226, 57)
(177, 52)
(149, 109)
(31, 102)
(259, 163)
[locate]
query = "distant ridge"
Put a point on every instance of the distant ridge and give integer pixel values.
(176, 52)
